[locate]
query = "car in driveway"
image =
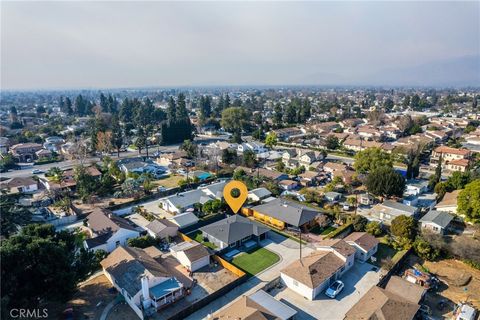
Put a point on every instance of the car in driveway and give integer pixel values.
(334, 289)
(37, 171)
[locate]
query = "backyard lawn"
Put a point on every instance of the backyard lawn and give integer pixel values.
(322, 231)
(255, 261)
(169, 182)
(197, 236)
(385, 251)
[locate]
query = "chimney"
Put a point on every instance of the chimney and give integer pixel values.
(145, 292)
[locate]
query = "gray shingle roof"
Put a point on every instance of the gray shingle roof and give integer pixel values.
(441, 218)
(233, 228)
(288, 211)
(399, 206)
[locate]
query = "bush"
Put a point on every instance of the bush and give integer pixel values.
(404, 227)
(424, 250)
(374, 228)
(359, 223)
(142, 242)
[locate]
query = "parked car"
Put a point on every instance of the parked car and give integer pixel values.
(37, 171)
(334, 289)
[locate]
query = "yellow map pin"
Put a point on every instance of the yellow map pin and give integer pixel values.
(235, 193)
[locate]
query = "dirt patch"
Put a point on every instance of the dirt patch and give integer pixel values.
(92, 297)
(461, 282)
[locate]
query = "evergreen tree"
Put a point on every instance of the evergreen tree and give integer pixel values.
(181, 112)
(117, 138)
(80, 106)
(278, 115)
(171, 110)
(68, 106)
(104, 103)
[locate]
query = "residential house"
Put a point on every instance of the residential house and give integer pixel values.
(332, 196)
(410, 200)
(182, 201)
(416, 187)
(448, 154)
(259, 194)
(256, 147)
(331, 167)
(184, 220)
(311, 275)
(310, 178)
(461, 165)
(309, 157)
(19, 185)
(259, 305)
(172, 159)
(144, 282)
(139, 166)
(436, 221)
(108, 231)
(53, 143)
(389, 210)
(25, 152)
(288, 184)
(283, 213)
(68, 179)
(369, 132)
(192, 255)
(43, 154)
(364, 243)
(366, 199)
(162, 229)
(234, 231)
(379, 303)
(360, 145)
(286, 134)
(449, 202)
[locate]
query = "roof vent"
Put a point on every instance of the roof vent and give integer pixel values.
(313, 271)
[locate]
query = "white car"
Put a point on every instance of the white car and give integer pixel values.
(334, 289)
(37, 171)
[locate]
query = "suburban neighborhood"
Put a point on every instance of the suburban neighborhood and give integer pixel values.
(204, 196)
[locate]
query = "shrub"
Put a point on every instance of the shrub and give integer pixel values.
(359, 223)
(424, 250)
(374, 228)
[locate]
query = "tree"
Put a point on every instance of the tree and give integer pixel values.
(332, 142)
(469, 201)
(13, 216)
(249, 159)
(425, 250)
(229, 155)
(87, 185)
(68, 106)
(55, 174)
(116, 137)
(359, 223)
(190, 148)
(234, 119)
(212, 206)
(290, 115)
(413, 162)
(385, 182)
(81, 106)
(374, 228)
(438, 174)
(371, 159)
(278, 115)
(104, 141)
(271, 139)
(40, 265)
(404, 227)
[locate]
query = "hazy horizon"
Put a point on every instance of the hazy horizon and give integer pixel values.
(92, 45)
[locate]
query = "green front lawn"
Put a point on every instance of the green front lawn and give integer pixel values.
(255, 261)
(197, 236)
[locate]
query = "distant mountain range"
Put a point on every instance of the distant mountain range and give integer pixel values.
(458, 72)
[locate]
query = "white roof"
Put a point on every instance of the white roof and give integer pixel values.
(184, 220)
(279, 309)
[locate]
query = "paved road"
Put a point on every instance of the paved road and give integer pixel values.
(68, 164)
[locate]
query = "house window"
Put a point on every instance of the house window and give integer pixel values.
(117, 243)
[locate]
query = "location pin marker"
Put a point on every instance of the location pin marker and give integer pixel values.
(235, 193)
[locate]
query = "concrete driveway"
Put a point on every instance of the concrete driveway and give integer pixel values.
(285, 248)
(358, 280)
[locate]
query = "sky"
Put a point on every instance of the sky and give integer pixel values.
(55, 45)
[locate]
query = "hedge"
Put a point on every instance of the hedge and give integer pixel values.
(340, 230)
